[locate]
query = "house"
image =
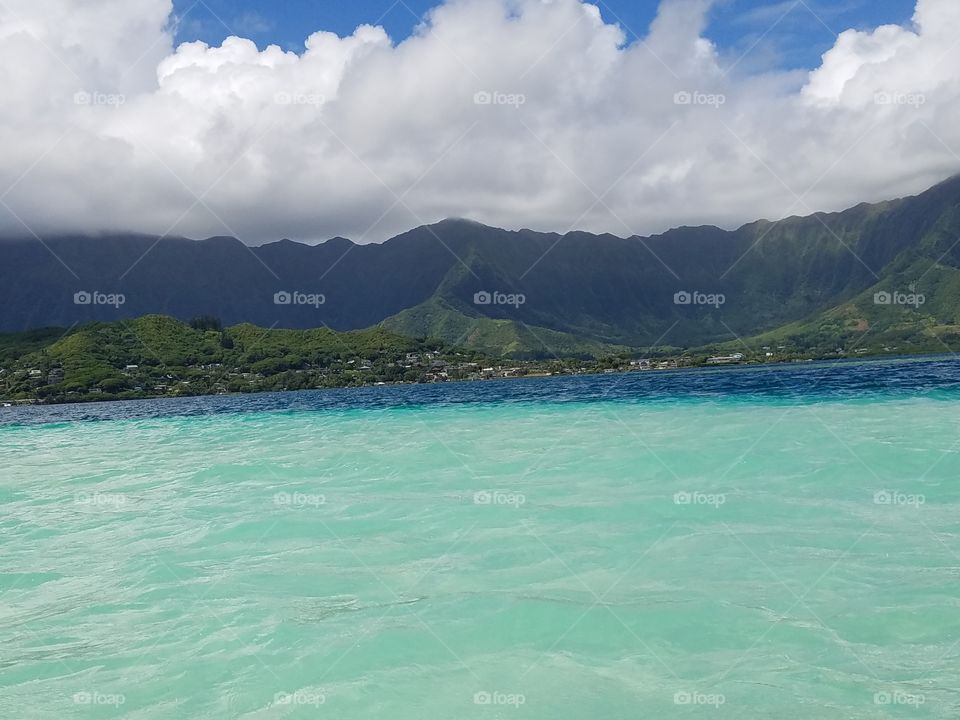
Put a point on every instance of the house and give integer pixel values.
(725, 359)
(640, 364)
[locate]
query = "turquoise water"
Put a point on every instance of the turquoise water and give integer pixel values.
(734, 544)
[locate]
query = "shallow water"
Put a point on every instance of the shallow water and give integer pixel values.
(742, 543)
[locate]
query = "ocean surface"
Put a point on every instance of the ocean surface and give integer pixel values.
(736, 543)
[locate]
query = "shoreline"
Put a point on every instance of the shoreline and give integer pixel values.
(6, 404)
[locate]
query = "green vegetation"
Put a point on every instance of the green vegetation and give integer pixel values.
(437, 318)
(898, 315)
(158, 356)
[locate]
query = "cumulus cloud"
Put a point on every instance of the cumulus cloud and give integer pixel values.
(517, 113)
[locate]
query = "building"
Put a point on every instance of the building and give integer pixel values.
(725, 359)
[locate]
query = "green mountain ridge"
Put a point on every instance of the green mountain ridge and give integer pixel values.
(583, 294)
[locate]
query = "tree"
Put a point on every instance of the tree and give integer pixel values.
(206, 322)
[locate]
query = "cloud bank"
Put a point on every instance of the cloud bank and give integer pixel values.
(516, 113)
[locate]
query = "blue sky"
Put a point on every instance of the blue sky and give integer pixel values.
(801, 29)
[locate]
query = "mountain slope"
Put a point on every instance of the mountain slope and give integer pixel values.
(436, 318)
(579, 290)
(913, 309)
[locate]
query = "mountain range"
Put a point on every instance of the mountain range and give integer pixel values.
(525, 292)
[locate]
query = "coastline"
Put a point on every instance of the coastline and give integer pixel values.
(6, 404)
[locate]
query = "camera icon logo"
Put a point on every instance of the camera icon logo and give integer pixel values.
(882, 298)
(82, 298)
(482, 298)
(282, 298)
(883, 497)
(682, 298)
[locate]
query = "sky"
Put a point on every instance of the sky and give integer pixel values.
(791, 34)
(308, 120)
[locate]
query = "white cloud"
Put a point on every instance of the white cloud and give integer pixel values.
(360, 137)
